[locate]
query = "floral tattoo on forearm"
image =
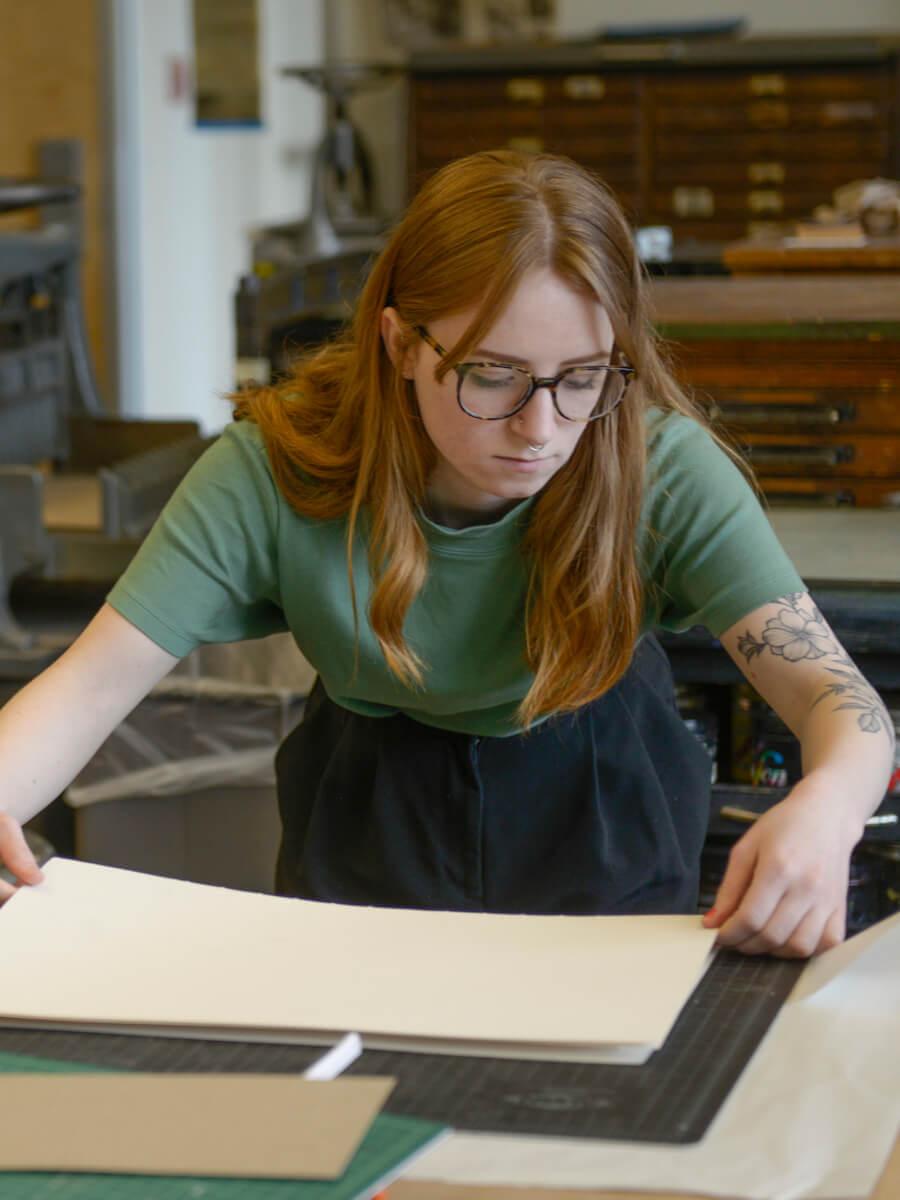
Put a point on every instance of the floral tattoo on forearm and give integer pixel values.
(799, 632)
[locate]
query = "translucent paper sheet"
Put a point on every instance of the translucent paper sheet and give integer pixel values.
(815, 1114)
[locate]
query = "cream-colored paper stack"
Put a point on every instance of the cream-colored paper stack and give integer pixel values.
(100, 948)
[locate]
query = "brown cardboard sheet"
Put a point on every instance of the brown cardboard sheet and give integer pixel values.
(273, 1126)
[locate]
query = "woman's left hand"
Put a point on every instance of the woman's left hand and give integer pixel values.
(785, 888)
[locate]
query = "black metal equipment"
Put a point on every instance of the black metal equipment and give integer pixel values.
(53, 422)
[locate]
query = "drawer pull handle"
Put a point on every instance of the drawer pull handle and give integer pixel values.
(801, 456)
(780, 414)
(840, 112)
(527, 91)
(766, 172)
(767, 85)
(765, 201)
(584, 87)
(693, 201)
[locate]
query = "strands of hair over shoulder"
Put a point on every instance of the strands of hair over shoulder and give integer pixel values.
(345, 440)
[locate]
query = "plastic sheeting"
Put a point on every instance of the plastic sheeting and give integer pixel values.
(216, 721)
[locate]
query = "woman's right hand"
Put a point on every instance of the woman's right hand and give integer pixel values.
(16, 856)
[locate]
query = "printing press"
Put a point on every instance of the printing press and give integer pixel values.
(79, 485)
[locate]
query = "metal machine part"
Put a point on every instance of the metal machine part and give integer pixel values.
(281, 313)
(53, 423)
(306, 274)
(343, 205)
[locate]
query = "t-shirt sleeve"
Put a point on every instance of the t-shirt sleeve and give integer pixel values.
(710, 554)
(208, 569)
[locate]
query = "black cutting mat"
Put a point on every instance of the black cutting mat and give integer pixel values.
(672, 1098)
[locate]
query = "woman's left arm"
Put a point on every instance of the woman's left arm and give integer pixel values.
(785, 888)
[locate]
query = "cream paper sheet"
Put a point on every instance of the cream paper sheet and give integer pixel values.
(98, 947)
(814, 1116)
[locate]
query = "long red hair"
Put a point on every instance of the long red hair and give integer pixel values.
(344, 438)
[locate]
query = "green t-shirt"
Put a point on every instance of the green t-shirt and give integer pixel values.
(230, 559)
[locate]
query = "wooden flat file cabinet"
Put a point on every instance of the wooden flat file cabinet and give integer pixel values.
(803, 373)
(716, 140)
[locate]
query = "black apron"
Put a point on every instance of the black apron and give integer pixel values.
(599, 811)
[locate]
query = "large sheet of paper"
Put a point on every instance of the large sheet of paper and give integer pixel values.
(97, 947)
(270, 1126)
(814, 1115)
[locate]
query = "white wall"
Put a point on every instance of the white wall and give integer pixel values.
(188, 197)
(763, 16)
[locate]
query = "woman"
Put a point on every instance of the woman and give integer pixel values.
(471, 510)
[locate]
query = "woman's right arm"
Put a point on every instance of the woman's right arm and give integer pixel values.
(53, 726)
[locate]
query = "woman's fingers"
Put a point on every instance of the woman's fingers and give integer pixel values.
(793, 931)
(15, 853)
(785, 888)
(835, 930)
(754, 910)
(734, 885)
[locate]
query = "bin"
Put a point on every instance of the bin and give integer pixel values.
(185, 786)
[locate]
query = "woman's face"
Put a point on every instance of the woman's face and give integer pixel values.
(484, 468)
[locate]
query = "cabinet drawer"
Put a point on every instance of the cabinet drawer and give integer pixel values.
(807, 410)
(836, 454)
(492, 125)
(523, 88)
(592, 88)
(731, 175)
(772, 114)
(836, 492)
(762, 364)
(737, 87)
(698, 202)
(613, 148)
(616, 169)
(584, 121)
(468, 93)
(864, 146)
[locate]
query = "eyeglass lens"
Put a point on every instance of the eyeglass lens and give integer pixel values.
(582, 393)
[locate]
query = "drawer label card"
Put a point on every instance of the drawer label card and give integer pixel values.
(766, 172)
(529, 91)
(584, 87)
(693, 201)
(765, 201)
(767, 85)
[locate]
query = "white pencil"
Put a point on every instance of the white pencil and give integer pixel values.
(336, 1060)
